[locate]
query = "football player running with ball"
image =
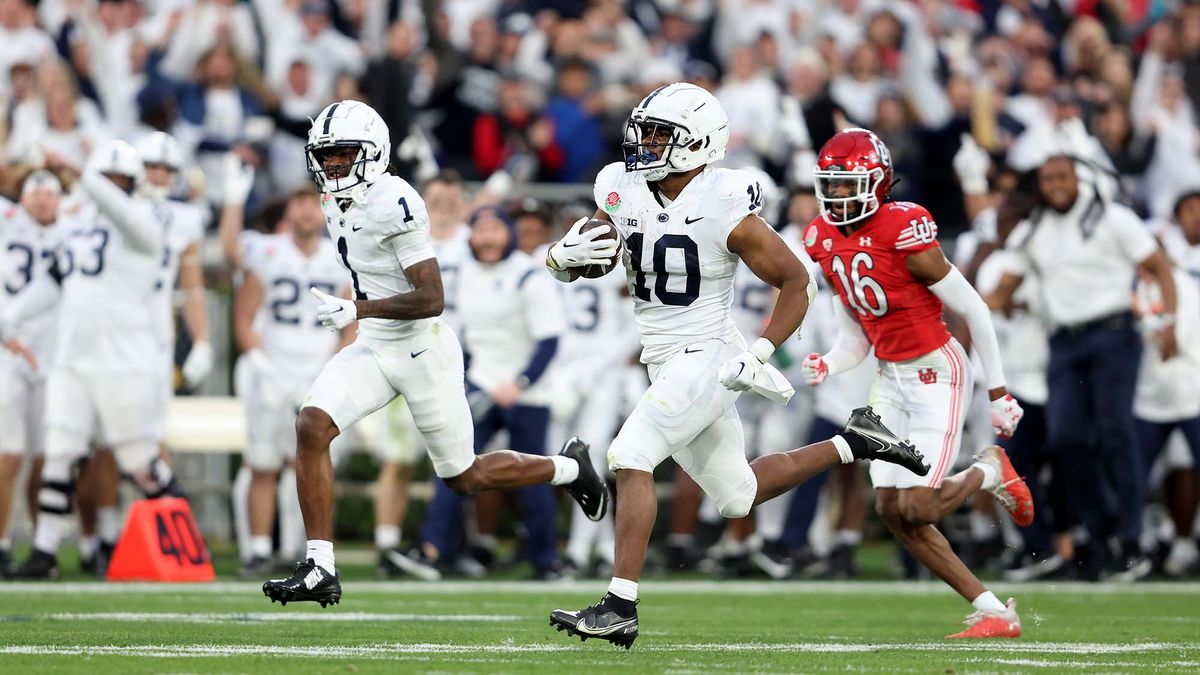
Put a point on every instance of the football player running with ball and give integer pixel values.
(380, 230)
(892, 279)
(685, 227)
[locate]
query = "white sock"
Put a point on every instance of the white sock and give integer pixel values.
(108, 525)
(387, 537)
(769, 518)
(623, 588)
(321, 552)
(990, 478)
(1182, 546)
(679, 540)
(987, 600)
(291, 520)
(6, 543)
(843, 449)
(241, 512)
(847, 537)
(487, 541)
(566, 470)
(48, 533)
(260, 546)
(981, 526)
(88, 545)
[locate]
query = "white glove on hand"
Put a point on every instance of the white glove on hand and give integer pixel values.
(336, 313)
(1006, 413)
(580, 249)
(813, 369)
(199, 363)
(971, 164)
(239, 180)
(737, 374)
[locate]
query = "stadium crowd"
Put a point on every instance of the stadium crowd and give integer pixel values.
(484, 97)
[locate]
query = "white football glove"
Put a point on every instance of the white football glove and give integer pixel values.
(971, 164)
(199, 363)
(814, 369)
(239, 180)
(1006, 413)
(580, 249)
(737, 374)
(336, 313)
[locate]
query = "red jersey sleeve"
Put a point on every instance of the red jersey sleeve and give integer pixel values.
(917, 230)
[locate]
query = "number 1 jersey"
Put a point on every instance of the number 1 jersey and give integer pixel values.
(900, 315)
(679, 266)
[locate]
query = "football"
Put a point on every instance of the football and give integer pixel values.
(597, 271)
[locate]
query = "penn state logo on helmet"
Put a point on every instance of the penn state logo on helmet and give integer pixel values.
(676, 128)
(853, 176)
(348, 148)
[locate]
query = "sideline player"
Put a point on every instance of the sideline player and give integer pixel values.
(893, 280)
(381, 230)
(685, 227)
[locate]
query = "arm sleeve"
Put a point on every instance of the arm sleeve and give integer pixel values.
(543, 353)
(544, 317)
(850, 346)
(960, 297)
(131, 216)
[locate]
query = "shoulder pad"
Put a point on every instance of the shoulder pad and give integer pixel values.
(740, 190)
(607, 188)
(383, 199)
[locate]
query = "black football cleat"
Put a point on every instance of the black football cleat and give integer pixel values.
(255, 567)
(589, 488)
(39, 565)
(882, 444)
(309, 583)
(613, 619)
(6, 563)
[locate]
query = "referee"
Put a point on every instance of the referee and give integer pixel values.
(1085, 252)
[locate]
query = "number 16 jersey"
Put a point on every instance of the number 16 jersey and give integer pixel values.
(680, 269)
(900, 315)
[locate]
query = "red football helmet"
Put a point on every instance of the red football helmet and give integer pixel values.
(853, 168)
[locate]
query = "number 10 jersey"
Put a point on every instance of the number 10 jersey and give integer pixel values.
(900, 315)
(680, 269)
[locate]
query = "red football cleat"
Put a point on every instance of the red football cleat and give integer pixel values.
(1002, 623)
(1012, 492)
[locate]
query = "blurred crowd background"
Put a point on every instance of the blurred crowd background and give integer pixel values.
(533, 95)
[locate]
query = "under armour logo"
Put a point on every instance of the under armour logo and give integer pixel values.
(928, 376)
(864, 241)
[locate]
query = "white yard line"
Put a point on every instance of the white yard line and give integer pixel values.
(650, 588)
(254, 617)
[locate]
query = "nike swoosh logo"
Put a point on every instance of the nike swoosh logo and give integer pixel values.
(569, 245)
(689, 221)
(355, 229)
(741, 367)
(691, 351)
(416, 354)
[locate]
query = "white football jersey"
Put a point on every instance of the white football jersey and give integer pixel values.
(26, 258)
(287, 318)
(507, 308)
(184, 224)
(755, 299)
(106, 317)
(375, 241)
(679, 268)
(451, 253)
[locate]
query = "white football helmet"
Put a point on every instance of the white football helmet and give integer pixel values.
(118, 158)
(695, 120)
(161, 148)
(348, 124)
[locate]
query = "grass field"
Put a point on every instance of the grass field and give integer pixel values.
(687, 626)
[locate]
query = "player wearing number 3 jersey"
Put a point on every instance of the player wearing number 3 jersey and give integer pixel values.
(380, 230)
(892, 279)
(686, 227)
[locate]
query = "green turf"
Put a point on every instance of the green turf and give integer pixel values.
(692, 626)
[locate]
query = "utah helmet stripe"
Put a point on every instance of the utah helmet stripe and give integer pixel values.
(329, 117)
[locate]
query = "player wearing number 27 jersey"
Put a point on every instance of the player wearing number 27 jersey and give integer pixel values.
(686, 226)
(892, 281)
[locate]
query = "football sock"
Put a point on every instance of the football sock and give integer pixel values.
(48, 532)
(260, 546)
(987, 600)
(241, 512)
(847, 537)
(291, 520)
(108, 526)
(566, 470)
(321, 552)
(5, 543)
(387, 537)
(990, 478)
(623, 588)
(769, 518)
(843, 443)
(982, 527)
(680, 540)
(88, 546)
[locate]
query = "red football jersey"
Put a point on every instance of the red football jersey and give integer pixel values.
(901, 316)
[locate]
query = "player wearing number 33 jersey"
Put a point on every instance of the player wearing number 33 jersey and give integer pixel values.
(380, 230)
(892, 281)
(686, 226)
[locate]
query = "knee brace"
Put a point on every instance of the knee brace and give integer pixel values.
(57, 487)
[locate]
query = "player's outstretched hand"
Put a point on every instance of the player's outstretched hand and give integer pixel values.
(1006, 413)
(336, 313)
(813, 369)
(199, 363)
(580, 249)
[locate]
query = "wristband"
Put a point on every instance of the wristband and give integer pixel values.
(762, 349)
